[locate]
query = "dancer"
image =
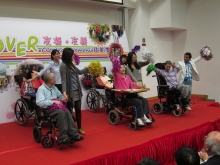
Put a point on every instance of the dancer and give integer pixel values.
(188, 72)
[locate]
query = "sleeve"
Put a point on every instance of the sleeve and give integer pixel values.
(44, 70)
(132, 84)
(142, 64)
(177, 69)
(63, 76)
(128, 72)
(82, 71)
(197, 59)
(159, 71)
(41, 99)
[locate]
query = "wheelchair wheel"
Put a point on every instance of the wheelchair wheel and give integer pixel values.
(113, 117)
(157, 108)
(45, 142)
(92, 100)
(37, 134)
(176, 113)
(21, 111)
(133, 125)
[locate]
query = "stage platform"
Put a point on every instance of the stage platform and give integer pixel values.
(113, 145)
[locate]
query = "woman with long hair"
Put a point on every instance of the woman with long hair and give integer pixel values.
(71, 85)
(54, 67)
(134, 67)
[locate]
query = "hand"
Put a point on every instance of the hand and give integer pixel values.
(24, 79)
(65, 97)
(144, 86)
(57, 102)
(174, 65)
(203, 155)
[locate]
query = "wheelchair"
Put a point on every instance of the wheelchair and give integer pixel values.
(95, 97)
(47, 139)
(170, 98)
(123, 108)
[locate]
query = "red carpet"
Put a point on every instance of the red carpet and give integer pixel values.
(109, 144)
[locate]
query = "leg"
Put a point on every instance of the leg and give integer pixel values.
(144, 101)
(61, 122)
(189, 83)
(72, 130)
(184, 90)
(78, 113)
(138, 104)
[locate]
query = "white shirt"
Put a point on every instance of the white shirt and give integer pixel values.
(54, 68)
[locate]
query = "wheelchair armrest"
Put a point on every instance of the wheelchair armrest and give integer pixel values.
(163, 85)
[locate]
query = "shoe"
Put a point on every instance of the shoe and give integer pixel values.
(65, 140)
(76, 139)
(140, 122)
(145, 119)
(188, 108)
(177, 106)
(81, 131)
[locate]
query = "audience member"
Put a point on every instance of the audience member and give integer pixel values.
(148, 161)
(212, 148)
(187, 156)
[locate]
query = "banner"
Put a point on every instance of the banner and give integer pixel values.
(25, 39)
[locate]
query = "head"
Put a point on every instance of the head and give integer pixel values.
(167, 65)
(49, 79)
(187, 57)
(27, 70)
(187, 156)
(67, 56)
(132, 58)
(34, 67)
(212, 143)
(148, 161)
(122, 70)
(20, 71)
(123, 59)
(55, 55)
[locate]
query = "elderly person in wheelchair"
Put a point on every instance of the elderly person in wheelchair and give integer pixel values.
(169, 73)
(49, 96)
(123, 81)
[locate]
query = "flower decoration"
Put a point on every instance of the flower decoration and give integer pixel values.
(95, 68)
(206, 53)
(116, 65)
(150, 68)
(115, 50)
(58, 106)
(76, 59)
(147, 55)
(136, 49)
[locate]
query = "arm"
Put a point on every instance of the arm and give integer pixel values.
(128, 72)
(197, 59)
(41, 100)
(142, 64)
(82, 71)
(159, 71)
(63, 70)
(44, 70)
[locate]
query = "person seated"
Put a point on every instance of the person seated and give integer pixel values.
(32, 86)
(123, 81)
(211, 153)
(169, 73)
(49, 96)
(187, 156)
(148, 161)
(104, 80)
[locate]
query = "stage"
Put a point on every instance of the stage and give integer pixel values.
(113, 145)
